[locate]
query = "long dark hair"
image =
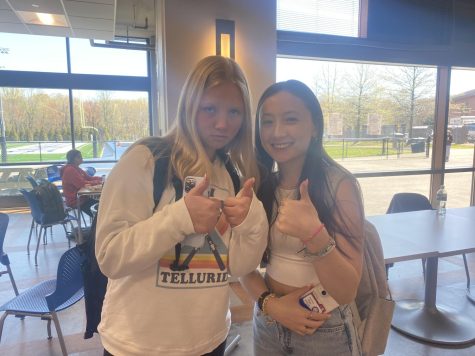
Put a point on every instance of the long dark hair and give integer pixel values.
(316, 166)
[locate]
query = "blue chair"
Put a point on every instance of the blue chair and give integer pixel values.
(40, 219)
(4, 260)
(47, 298)
(54, 173)
(90, 171)
(32, 181)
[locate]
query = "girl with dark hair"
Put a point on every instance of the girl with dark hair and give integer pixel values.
(74, 178)
(316, 234)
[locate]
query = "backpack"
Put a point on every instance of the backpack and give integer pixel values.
(373, 307)
(95, 282)
(50, 201)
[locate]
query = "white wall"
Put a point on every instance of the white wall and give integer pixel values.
(189, 35)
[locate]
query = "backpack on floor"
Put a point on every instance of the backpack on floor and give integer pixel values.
(51, 202)
(373, 307)
(95, 282)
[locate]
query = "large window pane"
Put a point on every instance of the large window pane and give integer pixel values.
(35, 127)
(107, 122)
(86, 59)
(32, 53)
(377, 117)
(378, 191)
(458, 187)
(332, 17)
(462, 118)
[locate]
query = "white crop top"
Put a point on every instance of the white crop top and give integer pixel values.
(286, 265)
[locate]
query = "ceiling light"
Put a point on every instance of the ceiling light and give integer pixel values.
(45, 19)
(40, 18)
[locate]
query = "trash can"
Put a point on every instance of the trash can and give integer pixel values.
(418, 147)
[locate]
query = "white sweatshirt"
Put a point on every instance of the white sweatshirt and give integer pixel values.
(150, 309)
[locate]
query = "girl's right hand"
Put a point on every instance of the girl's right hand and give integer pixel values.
(287, 311)
(204, 212)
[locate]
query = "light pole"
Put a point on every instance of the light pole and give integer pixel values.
(3, 141)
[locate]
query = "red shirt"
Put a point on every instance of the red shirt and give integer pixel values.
(74, 178)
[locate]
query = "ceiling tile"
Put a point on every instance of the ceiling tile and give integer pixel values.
(92, 24)
(46, 6)
(50, 30)
(83, 9)
(98, 35)
(13, 28)
(8, 16)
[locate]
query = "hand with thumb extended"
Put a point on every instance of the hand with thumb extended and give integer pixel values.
(298, 218)
(204, 212)
(237, 208)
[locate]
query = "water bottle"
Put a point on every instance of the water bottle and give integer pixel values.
(441, 200)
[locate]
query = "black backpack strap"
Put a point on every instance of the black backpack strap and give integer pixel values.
(234, 175)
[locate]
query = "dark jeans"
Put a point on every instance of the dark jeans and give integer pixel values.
(219, 351)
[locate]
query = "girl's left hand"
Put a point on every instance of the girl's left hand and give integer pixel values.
(236, 208)
(298, 218)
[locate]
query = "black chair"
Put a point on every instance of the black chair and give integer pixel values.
(4, 260)
(405, 202)
(40, 219)
(46, 298)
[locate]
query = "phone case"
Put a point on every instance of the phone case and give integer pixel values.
(190, 182)
(317, 299)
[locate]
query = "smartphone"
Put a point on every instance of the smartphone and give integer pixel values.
(191, 182)
(317, 299)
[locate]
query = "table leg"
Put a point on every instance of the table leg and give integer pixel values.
(79, 237)
(429, 322)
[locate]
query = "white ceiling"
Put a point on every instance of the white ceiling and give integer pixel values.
(94, 19)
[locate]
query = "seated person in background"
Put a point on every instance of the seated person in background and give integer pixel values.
(74, 178)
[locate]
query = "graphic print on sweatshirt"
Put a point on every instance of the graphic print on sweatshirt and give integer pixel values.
(206, 258)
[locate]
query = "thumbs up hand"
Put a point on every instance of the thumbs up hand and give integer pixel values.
(237, 208)
(204, 212)
(298, 218)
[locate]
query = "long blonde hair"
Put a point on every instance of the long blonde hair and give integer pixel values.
(188, 156)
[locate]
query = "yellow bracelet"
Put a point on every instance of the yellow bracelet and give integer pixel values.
(265, 301)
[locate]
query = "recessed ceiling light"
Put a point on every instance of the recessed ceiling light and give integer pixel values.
(35, 5)
(40, 18)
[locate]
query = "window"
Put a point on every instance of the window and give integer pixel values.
(86, 59)
(110, 92)
(377, 117)
(107, 122)
(332, 17)
(17, 52)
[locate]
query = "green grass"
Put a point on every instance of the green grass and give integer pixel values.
(86, 150)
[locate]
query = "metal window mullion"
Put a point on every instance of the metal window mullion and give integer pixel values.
(442, 97)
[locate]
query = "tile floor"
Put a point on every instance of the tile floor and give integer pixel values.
(28, 337)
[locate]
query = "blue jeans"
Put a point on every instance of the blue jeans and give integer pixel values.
(337, 336)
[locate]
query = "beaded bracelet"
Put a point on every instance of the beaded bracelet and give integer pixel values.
(265, 301)
(261, 298)
(315, 234)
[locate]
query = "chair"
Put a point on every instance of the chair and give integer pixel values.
(4, 260)
(90, 171)
(39, 218)
(405, 202)
(47, 298)
(32, 181)
(54, 173)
